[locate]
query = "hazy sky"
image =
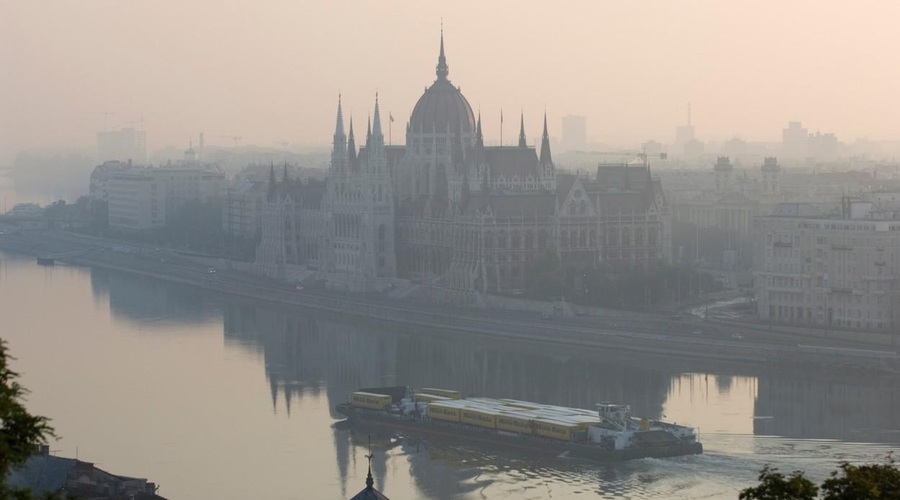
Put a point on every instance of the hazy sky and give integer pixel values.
(270, 71)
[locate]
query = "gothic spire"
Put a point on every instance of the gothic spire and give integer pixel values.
(272, 182)
(368, 128)
(284, 177)
(376, 127)
(479, 139)
(522, 131)
(351, 143)
(546, 159)
(370, 481)
(339, 127)
(442, 69)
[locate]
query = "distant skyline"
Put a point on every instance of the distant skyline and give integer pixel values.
(270, 72)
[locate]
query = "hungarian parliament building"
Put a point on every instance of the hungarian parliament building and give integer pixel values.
(454, 218)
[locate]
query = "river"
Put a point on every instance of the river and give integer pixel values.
(213, 397)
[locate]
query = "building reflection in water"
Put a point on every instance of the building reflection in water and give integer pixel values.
(306, 354)
(857, 410)
(140, 299)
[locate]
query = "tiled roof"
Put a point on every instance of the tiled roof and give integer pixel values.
(530, 206)
(564, 183)
(622, 177)
(622, 203)
(511, 160)
(42, 473)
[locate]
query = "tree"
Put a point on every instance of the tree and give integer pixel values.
(871, 481)
(850, 482)
(21, 432)
(773, 485)
(544, 277)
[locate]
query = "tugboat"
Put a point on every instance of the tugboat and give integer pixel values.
(608, 433)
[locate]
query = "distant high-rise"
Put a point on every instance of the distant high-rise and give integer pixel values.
(723, 171)
(794, 141)
(122, 145)
(574, 133)
(685, 133)
(770, 173)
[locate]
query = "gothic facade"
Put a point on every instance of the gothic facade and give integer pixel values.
(454, 216)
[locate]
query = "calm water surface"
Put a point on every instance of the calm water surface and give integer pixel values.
(214, 398)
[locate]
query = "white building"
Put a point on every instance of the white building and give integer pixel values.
(829, 265)
(143, 198)
(243, 206)
(123, 145)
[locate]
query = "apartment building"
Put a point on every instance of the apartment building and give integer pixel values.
(827, 265)
(143, 198)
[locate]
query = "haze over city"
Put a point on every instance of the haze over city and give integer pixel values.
(462, 250)
(270, 72)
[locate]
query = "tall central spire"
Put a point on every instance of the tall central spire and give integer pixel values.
(339, 127)
(522, 131)
(442, 69)
(376, 125)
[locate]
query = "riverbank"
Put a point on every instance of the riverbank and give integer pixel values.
(663, 335)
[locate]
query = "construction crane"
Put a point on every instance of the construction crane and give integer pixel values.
(106, 115)
(235, 138)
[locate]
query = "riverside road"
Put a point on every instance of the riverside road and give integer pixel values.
(688, 337)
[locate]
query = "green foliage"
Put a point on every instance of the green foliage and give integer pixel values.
(849, 482)
(871, 481)
(196, 225)
(544, 277)
(665, 284)
(21, 432)
(773, 485)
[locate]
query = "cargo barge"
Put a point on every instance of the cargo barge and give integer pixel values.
(609, 433)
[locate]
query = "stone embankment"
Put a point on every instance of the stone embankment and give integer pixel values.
(663, 335)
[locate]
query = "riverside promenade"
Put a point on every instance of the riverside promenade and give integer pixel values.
(661, 335)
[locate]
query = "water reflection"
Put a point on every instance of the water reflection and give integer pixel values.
(144, 300)
(314, 359)
(861, 411)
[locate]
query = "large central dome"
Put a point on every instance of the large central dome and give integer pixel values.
(443, 107)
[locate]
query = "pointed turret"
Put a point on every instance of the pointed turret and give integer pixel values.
(271, 195)
(522, 131)
(442, 69)
(284, 177)
(479, 139)
(546, 159)
(370, 481)
(351, 144)
(339, 126)
(368, 129)
(376, 127)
